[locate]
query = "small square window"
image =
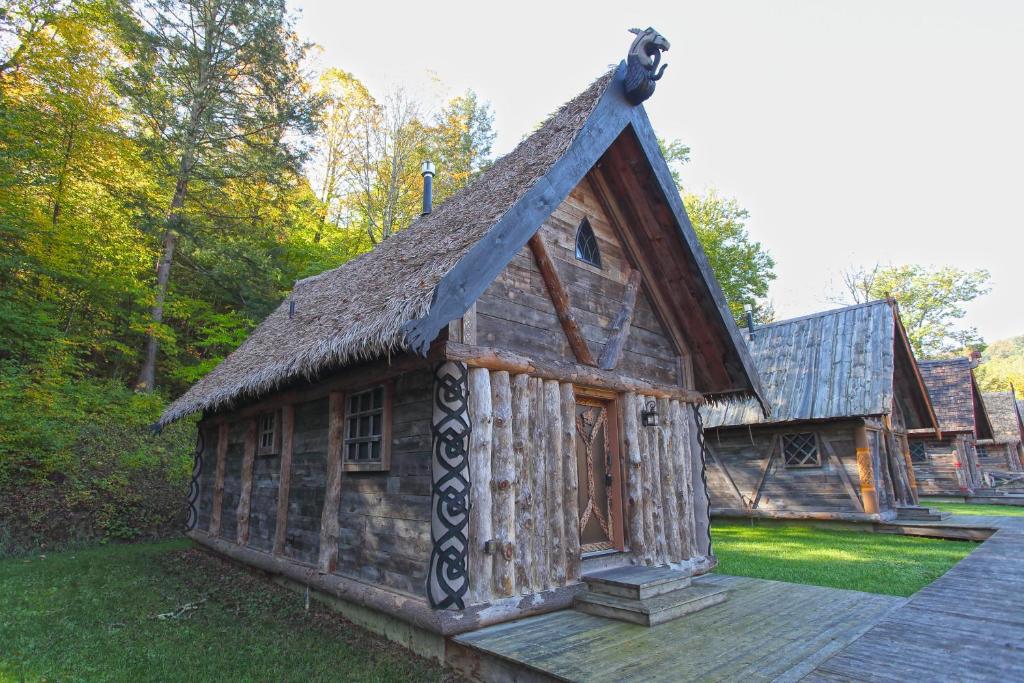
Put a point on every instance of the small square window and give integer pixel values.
(918, 451)
(365, 445)
(267, 438)
(801, 450)
(982, 451)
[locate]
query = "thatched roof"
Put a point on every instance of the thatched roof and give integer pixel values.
(955, 395)
(847, 362)
(397, 297)
(1004, 414)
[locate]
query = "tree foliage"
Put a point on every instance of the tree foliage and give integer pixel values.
(931, 301)
(1002, 366)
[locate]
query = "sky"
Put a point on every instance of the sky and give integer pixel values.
(855, 132)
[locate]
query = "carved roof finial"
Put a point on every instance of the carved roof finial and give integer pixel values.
(642, 72)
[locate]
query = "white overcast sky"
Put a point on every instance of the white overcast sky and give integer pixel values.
(854, 132)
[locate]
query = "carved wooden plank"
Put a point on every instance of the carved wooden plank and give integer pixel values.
(570, 484)
(245, 494)
(634, 478)
(521, 446)
(755, 497)
(669, 494)
(504, 496)
(285, 480)
(480, 526)
(618, 331)
(560, 298)
(514, 363)
(555, 531)
(538, 471)
(843, 474)
(218, 480)
(469, 326)
(332, 495)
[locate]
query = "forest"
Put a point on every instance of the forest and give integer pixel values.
(168, 169)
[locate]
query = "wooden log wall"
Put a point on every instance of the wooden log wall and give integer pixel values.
(944, 470)
(660, 510)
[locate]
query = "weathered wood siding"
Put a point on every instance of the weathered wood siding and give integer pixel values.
(266, 476)
(946, 469)
(384, 534)
(207, 475)
(742, 455)
(517, 313)
(232, 479)
(309, 473)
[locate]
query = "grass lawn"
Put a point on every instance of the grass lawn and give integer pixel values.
(121, 613)
(971, 509)
(864, 561)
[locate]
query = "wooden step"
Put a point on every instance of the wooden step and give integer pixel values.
(654, 610)
(920, 514)
(637, 583)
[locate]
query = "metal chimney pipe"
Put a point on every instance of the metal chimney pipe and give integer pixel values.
(427, 170)
(748, 309)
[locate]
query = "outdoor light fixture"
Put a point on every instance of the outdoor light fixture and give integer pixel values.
(649, 415)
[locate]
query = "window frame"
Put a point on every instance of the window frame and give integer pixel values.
(384, 464)
(274, 448)
(818, 464)
(596, 263)
(924, 451)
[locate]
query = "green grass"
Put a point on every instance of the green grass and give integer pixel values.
(864, 561)
(96, 615)
(969, 509)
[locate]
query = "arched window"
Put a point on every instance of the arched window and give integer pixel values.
(586, 245)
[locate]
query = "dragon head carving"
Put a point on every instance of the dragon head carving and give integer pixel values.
(642, 63)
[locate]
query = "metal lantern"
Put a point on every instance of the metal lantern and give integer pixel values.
(649, 415)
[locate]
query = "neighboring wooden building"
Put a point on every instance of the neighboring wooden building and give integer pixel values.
(949, 464)
(1004, 450)
(843, 388)
(448, 430)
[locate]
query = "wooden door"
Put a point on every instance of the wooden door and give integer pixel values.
(600, 480)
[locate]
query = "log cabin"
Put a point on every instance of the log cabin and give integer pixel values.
(1004, 452)
(843, 387)
(947, 463)
(458, 427)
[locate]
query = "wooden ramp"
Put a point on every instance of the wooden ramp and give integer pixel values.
(966, 626)
(767, 630)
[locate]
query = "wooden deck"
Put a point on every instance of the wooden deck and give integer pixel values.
(967, 625)
(767, 630)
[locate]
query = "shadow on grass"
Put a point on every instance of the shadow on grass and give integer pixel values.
(166, 612)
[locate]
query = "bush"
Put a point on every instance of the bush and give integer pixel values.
(79, 465)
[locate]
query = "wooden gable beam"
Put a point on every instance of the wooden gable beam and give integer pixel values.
(560, 298)
(620, 326)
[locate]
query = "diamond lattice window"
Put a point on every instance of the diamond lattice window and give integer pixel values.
(801, 450)
(586, 245)
(918, 451)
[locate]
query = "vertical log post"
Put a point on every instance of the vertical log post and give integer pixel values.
(866, 470)
(447, 579)
(904, 445)
(669, 494)
(700, 500)
(218, 478)
(285, 478)
(541, 576)
(634, 479)
(570, 485)
(329, 517)
(685, 461)
(504, 495)
(524, 487)
(480, 528)
(658, 512)
(245, 495)
(553, 465)
(647, 495)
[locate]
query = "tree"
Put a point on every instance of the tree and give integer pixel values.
(742, 266)
(931, 301)
(217, 85)
(1002, 366)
